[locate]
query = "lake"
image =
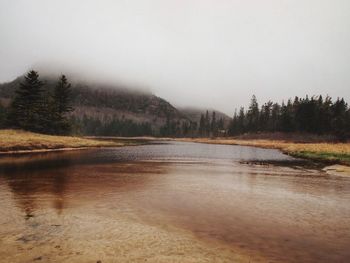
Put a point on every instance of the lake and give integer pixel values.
(171, 202)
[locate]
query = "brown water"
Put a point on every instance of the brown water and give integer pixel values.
(174, 202)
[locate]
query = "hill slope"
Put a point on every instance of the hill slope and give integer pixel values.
(104, 103)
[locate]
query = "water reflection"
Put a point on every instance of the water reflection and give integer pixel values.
(50, 182)
(29, 188)
(267, 212)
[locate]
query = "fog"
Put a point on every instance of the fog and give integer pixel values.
(201, 53)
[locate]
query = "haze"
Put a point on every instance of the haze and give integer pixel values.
(201, 53)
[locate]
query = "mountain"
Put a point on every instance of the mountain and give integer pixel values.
(101, 109)
(105, 103)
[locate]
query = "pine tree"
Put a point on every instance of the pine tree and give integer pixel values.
(26, 108)
(61, 105)
(207, 123)
(201, 128)
(232, 129)
(265, 116)
(339, 119)
(253, 115)
(275, 115)
(2, 116)
(286, 121)
(213, 124)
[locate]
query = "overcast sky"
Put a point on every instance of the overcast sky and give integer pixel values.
(208, 53)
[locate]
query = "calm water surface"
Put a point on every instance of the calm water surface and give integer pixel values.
(171, 202)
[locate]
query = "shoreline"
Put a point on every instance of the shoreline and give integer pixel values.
(45, 150)
(326, 153)
(23, 142)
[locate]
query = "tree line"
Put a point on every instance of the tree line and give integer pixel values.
(115, 127)
(315, 115)
(209, 126)
(39, 108)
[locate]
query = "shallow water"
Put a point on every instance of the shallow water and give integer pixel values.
(171, 202)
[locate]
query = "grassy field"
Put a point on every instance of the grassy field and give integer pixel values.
(325, 152)
(22, 141)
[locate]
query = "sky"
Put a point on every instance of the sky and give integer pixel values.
(198, 53)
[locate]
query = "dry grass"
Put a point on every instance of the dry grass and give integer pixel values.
(330, 152)
(18, 140)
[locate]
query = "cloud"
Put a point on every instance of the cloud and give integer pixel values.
(194, 53)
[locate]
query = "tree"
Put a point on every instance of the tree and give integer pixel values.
(26, 110)
(324, 114)
(241, 121)
(2, 116)
(213, 124)
(201, 128)
(253, 115)
(265, 116)
(232, 129)
(286, 120)
(207, 123)
(339, 119)
(61, 105)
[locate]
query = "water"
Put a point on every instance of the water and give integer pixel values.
(171, 202)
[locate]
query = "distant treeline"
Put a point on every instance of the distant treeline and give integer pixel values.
(115, 127)
(41, 107)
(208, 126)
(315, 115)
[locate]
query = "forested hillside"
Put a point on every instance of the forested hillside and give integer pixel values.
(108, 110)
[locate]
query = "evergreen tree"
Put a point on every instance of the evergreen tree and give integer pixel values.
(275, 116)
(233, 127)
(2, 116)
(207, 123)
(61, 105)
(201, 128)
(253, 115)
(26, 110)
(213, 125)
(324, 114)
(265, 116)
(241, 121)
(286, 121)
(339, 119)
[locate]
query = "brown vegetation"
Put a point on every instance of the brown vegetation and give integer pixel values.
(19, 141)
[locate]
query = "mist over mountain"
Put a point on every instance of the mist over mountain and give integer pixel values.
(99, 103)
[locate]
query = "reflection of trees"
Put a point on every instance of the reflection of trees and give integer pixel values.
(33, 186)
(32, 176)
(30, 188)
(58, 189)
